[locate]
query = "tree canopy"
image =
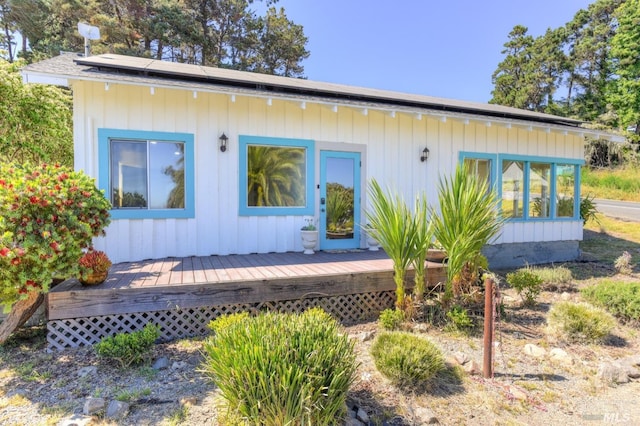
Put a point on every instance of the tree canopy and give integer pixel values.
(587, 69)
(220, 33)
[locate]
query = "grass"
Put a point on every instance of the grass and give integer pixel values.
(607, 241)
(622, 299)
(618, 184)
(579, 322)
(555, 275)
(130, 395)
(179, 416)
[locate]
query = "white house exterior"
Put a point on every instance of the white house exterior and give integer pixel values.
(132, 114)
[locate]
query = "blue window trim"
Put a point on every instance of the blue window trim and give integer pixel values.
(105, 135)
(496, 179)
(243, 208)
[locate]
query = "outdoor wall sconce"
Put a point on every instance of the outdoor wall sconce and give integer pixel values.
(223, 142)
(424, 155)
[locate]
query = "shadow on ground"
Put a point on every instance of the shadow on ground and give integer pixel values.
(599, 252)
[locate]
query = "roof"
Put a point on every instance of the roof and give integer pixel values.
(145, 71)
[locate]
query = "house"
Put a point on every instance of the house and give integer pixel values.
(200, 161)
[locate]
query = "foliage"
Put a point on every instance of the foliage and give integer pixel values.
(423, 235)
(394, 228)
(129, 348)
(406, 359)
(588, 209)
(309, 224)
(339, 207)
(35, 120)
(467, 221)
(49, 214)
(579, 322)
(275, 176)
(619, 183)
(221, 33)
(527, 283)
(622, 299)
(553, 275)
(277, 369)
(93, 261)
(391, 319)
(225, 321)
(623, 263)
(459, 319)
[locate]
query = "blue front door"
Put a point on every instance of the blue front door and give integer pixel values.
(339, 200)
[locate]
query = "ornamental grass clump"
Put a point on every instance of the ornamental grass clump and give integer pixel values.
(579, 322)
(129, 348)
(622, 299)
(277, 369)
(406, 359)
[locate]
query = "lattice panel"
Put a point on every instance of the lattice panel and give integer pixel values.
(175, 324)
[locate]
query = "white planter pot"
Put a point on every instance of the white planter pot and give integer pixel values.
(372, 243)
(309, 241)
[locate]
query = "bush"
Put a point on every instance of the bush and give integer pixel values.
(225, 321)
(391, 319)
(277, 369)
(49, 214)
(406, 359)
(526, 283)
(556, 275)
(621, 299)
(623, 263)
(129, 348)
(459, 319)
(579, 322)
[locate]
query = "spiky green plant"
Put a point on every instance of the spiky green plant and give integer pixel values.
(468, 220)
(394, 228)
(423, 234)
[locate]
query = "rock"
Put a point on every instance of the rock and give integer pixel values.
(365, 336)
(612, 373)
(424, 416)
(353, 422)
(161, 363)
(517, 393)
(362, 416)
(178, 365)
(76, 420)
(117, 409)
(420, 327)
(472, 368)
(560, 356)
(632, 360)
(91, 370)
(188, 401)
(630, 368)
(93, 406)
(534, 350)
(461, 358)
(565, 296)
(351, 413)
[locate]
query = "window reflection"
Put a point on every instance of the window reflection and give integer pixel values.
(276, 176)
(539, 190)
(512, 188)
(565, 188)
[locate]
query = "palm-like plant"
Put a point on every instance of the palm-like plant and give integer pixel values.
(467, 221)
(423, 234)
(275, 176)
(392, 225)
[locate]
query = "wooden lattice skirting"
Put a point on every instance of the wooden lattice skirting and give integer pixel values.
(180, 323)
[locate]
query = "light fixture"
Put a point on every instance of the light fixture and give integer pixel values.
(424, 155)
(223, 142)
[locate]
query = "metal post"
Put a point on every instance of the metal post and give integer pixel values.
(487, 361)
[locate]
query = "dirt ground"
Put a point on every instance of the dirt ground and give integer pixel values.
(39, 388)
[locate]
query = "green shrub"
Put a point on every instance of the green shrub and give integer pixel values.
(225, 321)
(406, 359)
(579, 322)
(129, 348)
(459, 319)
(623, 263)
(620, 298)
(276, 369)
(526, 283)
(391, 319)
(588, 210)
(555, 275)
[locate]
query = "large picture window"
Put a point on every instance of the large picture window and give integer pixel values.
(531, 188)
(147, 174)
(276, 176)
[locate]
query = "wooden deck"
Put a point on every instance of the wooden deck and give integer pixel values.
(213, 280)
(182, 295)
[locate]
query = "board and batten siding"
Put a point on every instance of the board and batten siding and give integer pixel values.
(391, 145)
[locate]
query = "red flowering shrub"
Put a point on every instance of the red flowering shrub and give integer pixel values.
(49, 214)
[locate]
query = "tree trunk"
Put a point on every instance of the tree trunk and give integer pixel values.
(20, 313)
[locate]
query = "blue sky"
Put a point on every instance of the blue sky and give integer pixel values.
(445, 48)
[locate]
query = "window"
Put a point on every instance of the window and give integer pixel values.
(530, 188)
(147, 174)
(276, 176)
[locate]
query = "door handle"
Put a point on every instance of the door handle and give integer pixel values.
(322, 201)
